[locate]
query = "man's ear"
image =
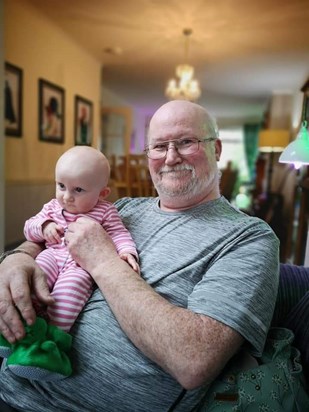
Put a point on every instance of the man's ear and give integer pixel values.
(218, 149)
(105, 192)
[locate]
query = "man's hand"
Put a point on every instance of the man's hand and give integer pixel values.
(52, 232)
(20, 277)
(89, 244)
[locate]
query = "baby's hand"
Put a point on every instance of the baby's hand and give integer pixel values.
(130, 259)
(52, 232)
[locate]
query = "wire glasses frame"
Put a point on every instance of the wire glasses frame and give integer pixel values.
(184, 147)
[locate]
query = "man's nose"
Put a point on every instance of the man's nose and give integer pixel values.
(172, 154)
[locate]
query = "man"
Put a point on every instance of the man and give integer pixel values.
(208, 284)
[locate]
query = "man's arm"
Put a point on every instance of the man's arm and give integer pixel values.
(193, 348)
(20, 276)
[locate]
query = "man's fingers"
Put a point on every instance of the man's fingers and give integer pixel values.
(19, 276)
(21, 298)
(40, 287)
(11, 326)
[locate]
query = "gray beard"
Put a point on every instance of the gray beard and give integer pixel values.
(194, 187)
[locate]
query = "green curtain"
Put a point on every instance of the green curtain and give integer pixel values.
(251, 133)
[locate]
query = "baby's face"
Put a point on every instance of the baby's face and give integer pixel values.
(76, 194)
(81, 179)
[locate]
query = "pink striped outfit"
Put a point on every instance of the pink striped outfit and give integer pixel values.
(69, 284)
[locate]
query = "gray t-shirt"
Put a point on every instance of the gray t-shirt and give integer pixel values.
(211, 259)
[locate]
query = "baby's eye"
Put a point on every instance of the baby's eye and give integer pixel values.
(79, 189)
(61, 186)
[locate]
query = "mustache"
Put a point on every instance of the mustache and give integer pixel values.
(177, 168)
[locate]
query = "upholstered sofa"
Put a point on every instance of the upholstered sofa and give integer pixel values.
(292, 308)
(291, 311)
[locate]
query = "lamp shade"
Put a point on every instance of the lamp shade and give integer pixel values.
(273, 140)
(297, 152)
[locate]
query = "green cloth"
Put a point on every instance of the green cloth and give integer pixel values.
(41, 354)
(275, 383)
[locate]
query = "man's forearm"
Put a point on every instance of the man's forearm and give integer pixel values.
(27, 248)
(32, 248)
(193, 348)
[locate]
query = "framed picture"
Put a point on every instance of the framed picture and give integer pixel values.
(305, 111)
(83, 121)
(13, 105)
(51, 112)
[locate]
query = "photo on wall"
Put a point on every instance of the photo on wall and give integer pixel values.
(13, 84)
(83, 121)
(51, 112)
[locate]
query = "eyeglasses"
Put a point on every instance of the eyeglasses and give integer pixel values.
(184, 147)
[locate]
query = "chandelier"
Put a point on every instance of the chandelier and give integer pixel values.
(185, 87)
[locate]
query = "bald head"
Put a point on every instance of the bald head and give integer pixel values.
(187, 172)
(184, 114)
(85, 161)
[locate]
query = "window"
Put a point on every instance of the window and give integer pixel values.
(233, 150)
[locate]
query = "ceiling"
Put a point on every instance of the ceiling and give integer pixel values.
(243, 51)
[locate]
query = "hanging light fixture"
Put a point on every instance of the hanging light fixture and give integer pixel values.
(297, 152)
(185, 87)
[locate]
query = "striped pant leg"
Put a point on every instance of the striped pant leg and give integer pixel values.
(48, 262)
(71, 291)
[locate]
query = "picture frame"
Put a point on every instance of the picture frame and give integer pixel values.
(51, 112)
(13, 100)
(305, 109)
(83, 121)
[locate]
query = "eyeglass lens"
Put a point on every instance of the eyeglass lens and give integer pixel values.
(185, 146)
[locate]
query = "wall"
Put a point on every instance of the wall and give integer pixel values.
(31, 196)
(140, 117)
(109, 98)
(42, 50)
(281, 111)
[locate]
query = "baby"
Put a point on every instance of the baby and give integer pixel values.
(82, 175)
